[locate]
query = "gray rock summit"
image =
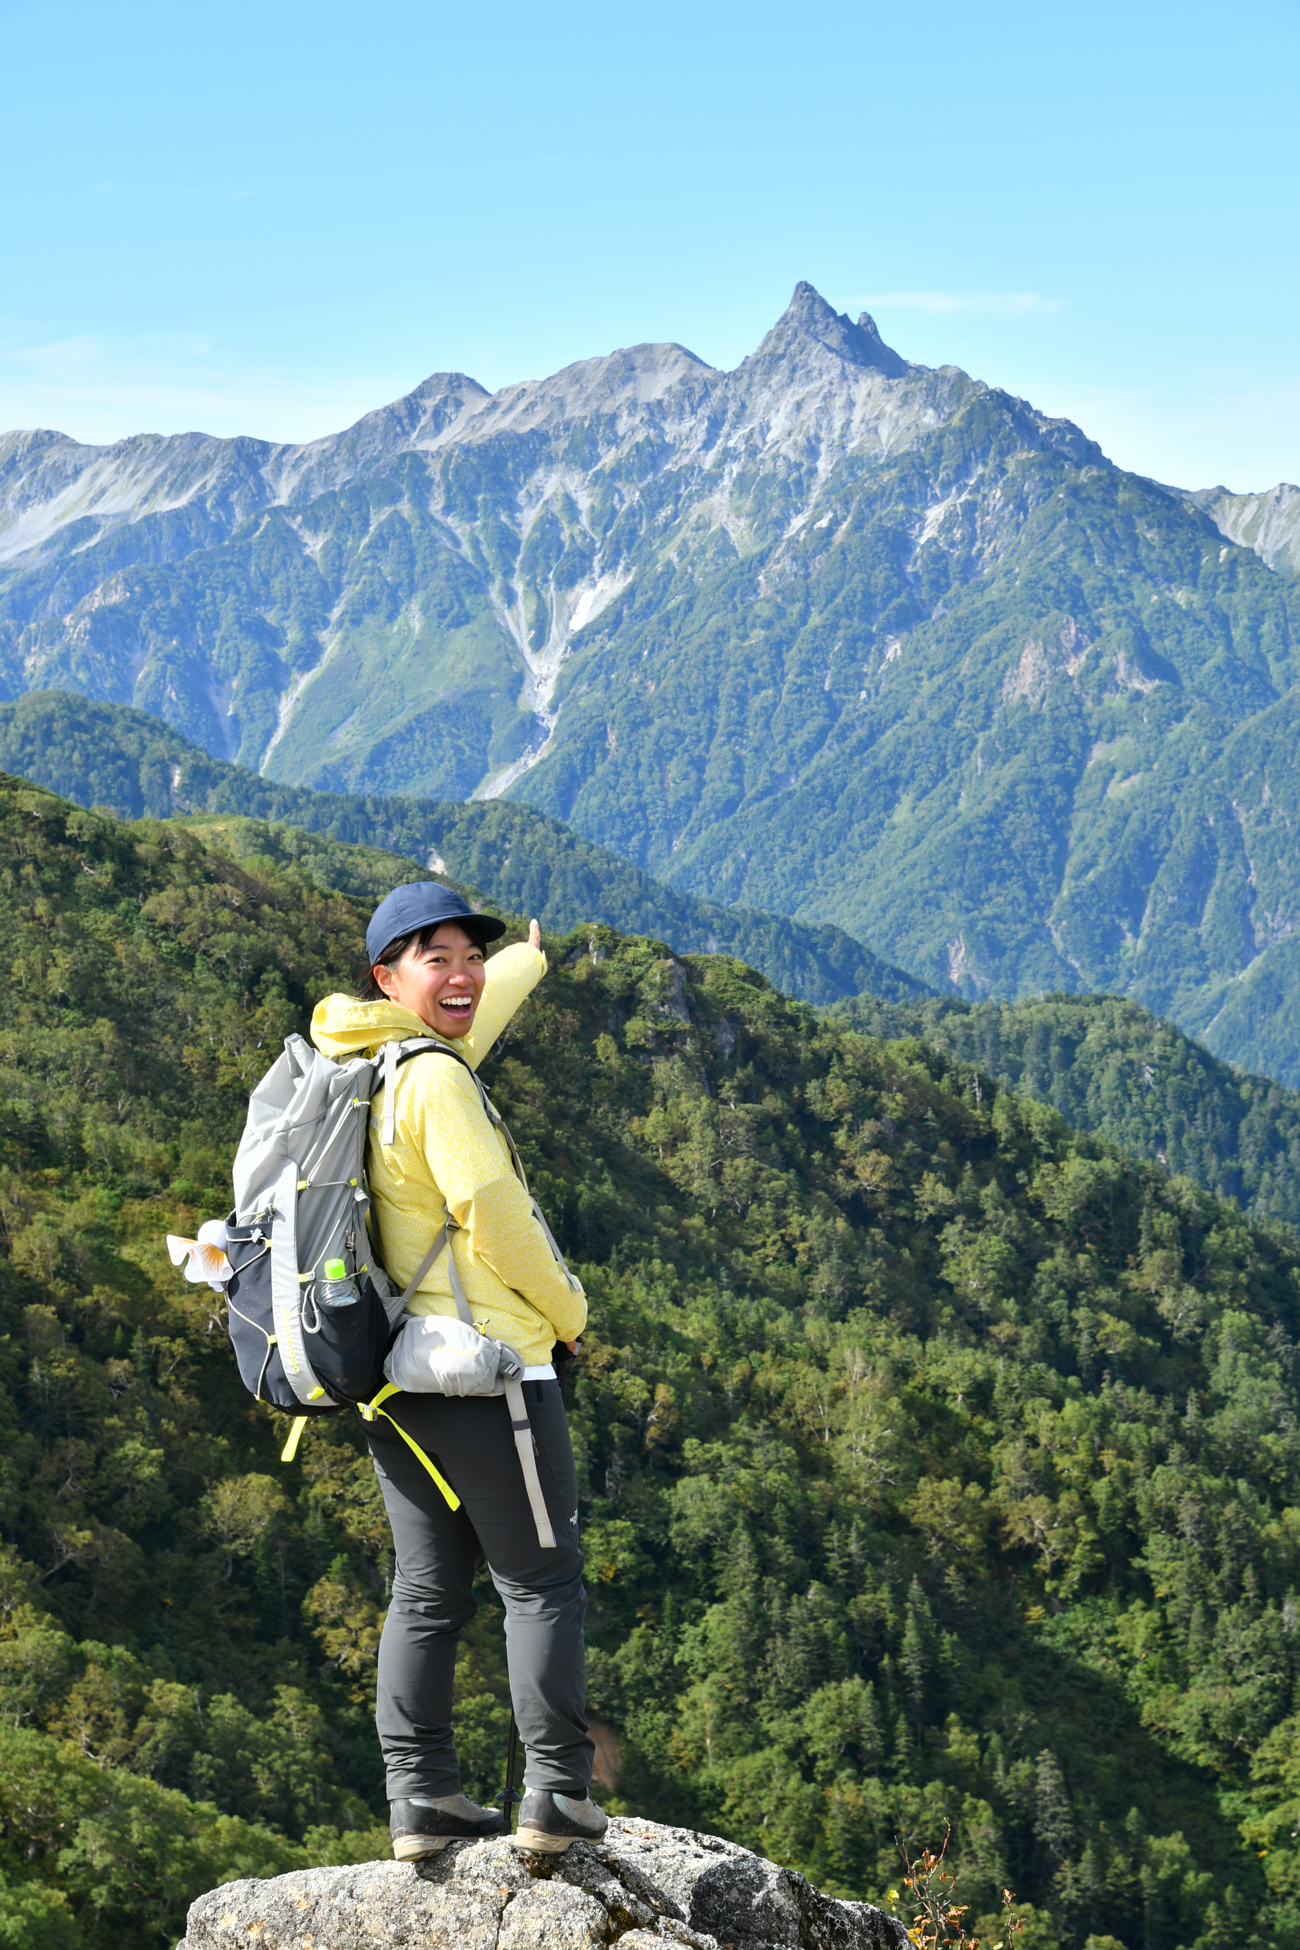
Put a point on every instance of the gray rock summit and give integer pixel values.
(809, 320)
(1269, 522)
(644, 1887)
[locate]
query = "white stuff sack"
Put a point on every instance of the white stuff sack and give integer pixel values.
(436, 1355)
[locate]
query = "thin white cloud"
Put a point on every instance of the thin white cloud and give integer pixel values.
(1194, 430)
(102, 389)
(73, 357)
(992, 304)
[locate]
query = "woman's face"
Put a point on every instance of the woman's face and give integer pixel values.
(441, 982)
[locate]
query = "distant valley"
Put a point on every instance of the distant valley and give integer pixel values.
(128, 763)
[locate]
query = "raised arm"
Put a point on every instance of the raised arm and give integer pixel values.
(510, 977)
(486, 1199)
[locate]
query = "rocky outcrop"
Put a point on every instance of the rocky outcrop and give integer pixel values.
(645, 1887)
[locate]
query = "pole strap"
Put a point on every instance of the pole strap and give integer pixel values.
(523, 1433)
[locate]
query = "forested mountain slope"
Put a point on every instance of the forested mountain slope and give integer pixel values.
(1014, 717)
(937, 1462)
(1107, 1065)
(834, 635)
(125, 760)
(1111, 1066)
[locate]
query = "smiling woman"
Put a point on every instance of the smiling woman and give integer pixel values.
(438, 976)
(437, 973)
(458, 1229)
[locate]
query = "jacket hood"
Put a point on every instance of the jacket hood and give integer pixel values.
(342, 1027)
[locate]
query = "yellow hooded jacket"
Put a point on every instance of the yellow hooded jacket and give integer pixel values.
(448, 1156)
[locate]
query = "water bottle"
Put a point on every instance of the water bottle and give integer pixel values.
(335, 1289)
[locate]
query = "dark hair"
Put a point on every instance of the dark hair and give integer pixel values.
(368, 989)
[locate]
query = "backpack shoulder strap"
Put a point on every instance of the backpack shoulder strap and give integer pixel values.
(495, 1118)
(395, 1054)
(426, 1046)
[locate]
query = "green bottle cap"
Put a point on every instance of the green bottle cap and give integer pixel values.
(336, 1269)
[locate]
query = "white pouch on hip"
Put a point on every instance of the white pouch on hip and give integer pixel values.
(436, 1355)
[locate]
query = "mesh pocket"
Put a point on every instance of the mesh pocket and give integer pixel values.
(346, 1345)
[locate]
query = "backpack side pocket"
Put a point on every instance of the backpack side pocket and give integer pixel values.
(250, 1321)
(347, 1345)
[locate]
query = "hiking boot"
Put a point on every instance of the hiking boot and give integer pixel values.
(549, 1822)
(421, 1827)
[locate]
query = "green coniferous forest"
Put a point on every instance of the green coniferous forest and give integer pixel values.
(940, 1464)
(1107, 1064)
(130, 763)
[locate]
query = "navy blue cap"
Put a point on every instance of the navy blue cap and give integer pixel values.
(420, 904)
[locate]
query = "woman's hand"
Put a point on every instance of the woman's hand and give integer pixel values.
(534, 935)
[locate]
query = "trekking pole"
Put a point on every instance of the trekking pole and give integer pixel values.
(507, 1796)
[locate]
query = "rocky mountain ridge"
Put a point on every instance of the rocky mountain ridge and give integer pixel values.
(833, 636)
(51, 481)
(1268, 522)
(588, 466)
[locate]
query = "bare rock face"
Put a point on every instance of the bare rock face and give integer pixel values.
(645, 1887)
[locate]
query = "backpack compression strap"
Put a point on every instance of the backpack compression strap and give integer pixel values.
(369, 1410)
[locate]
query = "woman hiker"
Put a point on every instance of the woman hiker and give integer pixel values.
(446, 1158)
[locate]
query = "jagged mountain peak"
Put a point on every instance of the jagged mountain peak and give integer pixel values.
(23, 442)
(879, 354)
(808, 321)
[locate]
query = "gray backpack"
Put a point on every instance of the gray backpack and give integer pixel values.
(301, 1198)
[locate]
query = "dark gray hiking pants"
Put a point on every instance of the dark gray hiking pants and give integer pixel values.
(437, 1552)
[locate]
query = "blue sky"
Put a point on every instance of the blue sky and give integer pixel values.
(269, 218)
